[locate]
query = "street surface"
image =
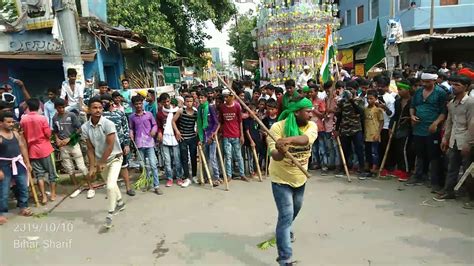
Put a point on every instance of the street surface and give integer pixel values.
(372, 222)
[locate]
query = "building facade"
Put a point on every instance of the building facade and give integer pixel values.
(216, 55)
(453, 24)
(30, 52)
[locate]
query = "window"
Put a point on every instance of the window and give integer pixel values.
(342, 18)
(448, 2)
(348, 18)
(360, 14)
(374, 9)
(404, 4)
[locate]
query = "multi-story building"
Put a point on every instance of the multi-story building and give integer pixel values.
(30, 52)
(216, 55)
(453, 25)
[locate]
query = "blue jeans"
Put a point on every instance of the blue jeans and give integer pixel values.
(21, 192)
(372, 153)
(170, 162)
(184, 146)
(288, 201)
(210, 153)
(332, 150)
(323, 150)
(232, 150)
(153, 161)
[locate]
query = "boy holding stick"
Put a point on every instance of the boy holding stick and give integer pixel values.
(208, 125)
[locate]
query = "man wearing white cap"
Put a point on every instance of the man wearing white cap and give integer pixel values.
(304, 77)
(428, 111)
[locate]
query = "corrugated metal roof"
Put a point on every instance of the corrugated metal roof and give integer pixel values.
(420, 37)
(86, 56)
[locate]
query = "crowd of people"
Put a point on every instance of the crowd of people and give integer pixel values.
(426, 117)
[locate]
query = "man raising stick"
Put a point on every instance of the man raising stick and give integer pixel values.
(294, 133)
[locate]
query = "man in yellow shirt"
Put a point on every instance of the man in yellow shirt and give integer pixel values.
(294, 133)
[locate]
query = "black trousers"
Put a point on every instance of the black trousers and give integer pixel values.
(403, 154)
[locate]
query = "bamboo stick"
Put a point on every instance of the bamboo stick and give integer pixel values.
(255, 157)
(343, 158)
(221, 160)
(386, 150)
(252, 114)
(205, 165)
(33, 189)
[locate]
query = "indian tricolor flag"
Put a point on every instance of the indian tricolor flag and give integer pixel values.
(325, 71)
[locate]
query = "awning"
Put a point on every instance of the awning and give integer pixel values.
(352, 44)
(444, 36)
(86, 56)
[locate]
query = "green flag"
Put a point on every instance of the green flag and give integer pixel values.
(376, 50)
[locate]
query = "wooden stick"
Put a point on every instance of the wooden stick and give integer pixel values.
(221, 160)
(255, 157)
(467, 172)
(201, 170)
(262, 126)
(386, 150)
(343, 158)
(33, 189)
(67, 196)
(205, 165)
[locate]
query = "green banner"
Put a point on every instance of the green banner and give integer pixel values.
(172, 74)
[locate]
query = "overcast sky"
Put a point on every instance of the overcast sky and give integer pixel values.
(219, 39)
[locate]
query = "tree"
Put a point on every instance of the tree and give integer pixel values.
(142, 16)
(241, 39)
(8, 11)
(178, 24)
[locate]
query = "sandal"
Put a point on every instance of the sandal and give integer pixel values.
(26, 212)
(215, 183)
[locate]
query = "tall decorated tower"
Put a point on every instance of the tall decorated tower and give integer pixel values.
(291, 34)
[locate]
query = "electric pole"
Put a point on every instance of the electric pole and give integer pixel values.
(392, 9)
(239, 52)
(432, 18)
(71, 48)
(431, 31)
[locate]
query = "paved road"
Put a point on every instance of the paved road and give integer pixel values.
(363, 223)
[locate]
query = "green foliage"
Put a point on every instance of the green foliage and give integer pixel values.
(8, 11)
(241, 39)
(267, 244)
(141, 16)
(177, 24)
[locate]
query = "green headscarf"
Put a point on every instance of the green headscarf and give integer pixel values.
(286, 99)
(306, 89)
(203, 112)
(291, 127)
(404, 86)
